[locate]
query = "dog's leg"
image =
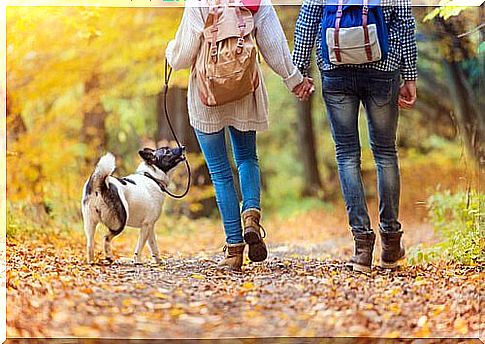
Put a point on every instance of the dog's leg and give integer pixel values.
(89, 230)
(107, 245)
(152, 244)
(142, 239)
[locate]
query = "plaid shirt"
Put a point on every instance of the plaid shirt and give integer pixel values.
(403, 52)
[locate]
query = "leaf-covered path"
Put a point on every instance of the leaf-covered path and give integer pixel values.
(52, 292)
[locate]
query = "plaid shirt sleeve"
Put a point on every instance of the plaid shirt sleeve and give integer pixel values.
(306, 31)
(407, 34)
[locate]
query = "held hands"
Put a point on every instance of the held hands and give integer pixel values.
(304, 90)
(407, 95)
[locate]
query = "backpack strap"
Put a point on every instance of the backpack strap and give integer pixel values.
(336, 35)
(214, 30)
(365, 12)
(242, 26)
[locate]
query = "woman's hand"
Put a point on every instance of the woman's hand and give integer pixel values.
(304, 90)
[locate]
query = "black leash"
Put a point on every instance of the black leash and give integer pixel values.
(168, 74)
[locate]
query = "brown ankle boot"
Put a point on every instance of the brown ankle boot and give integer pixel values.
(252, 235)
(234, 257)
(392, 249)
(363, 247)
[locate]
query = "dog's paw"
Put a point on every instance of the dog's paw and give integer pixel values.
(108, 261)
(136, 262)
(156, 260)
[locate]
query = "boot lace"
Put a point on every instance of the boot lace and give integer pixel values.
(263, 232)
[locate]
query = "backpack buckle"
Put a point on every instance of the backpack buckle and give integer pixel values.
(365, 10)
(240, 45)
(214, 53)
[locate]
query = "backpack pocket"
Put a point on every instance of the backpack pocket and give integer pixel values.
(352, 46)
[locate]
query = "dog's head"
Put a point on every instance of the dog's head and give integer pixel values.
(164, 158)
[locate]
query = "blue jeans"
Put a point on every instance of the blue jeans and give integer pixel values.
(244, 148)
(343, 91)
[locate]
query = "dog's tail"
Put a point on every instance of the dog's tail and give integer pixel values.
(105, 167)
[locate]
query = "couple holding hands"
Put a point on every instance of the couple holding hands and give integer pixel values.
(366, 53)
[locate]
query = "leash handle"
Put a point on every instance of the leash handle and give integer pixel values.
(167, 75)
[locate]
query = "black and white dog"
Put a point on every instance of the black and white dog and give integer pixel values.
(135, 200)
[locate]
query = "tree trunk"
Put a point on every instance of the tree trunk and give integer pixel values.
(308, 156)
(178, 112)
(93, 128)
(471, 123)
(468, 118)
(15, 123)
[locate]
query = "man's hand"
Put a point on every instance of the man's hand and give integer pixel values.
(407, 94)
(304, 90)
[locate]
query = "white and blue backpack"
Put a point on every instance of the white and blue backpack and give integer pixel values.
(353, 32)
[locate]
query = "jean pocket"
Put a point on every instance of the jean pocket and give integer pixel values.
(333, 84)
(381, 91)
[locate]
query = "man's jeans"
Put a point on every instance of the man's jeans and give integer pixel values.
(343, 90)
(244, 147)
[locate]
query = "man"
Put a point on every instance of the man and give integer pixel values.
(378, 87)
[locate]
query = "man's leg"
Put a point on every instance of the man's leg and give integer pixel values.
(381, 102)
(343, 102)
(342, 105)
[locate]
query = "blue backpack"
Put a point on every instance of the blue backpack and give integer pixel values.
(353, 32)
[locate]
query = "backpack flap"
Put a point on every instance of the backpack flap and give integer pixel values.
(353, 32)
(228, 25)
(351, 48)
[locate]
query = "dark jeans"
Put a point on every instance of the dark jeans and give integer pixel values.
(344, 89)
(213, 147)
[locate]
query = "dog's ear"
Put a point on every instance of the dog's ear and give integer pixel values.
(147, 155)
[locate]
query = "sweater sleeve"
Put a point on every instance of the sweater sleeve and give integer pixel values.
(182, 51)
(273, 46)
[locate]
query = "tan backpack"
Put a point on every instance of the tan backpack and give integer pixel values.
(226, 67)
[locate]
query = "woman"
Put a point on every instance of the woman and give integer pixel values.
(243, 118)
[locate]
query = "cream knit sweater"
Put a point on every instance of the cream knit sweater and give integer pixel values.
(250, 112)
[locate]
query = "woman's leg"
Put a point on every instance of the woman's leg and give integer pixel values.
(213, 147)
(246, 158)
(244, 147)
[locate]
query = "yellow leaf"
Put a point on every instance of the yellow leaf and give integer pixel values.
(393, 334)
(394, 308)
(127, 302)
(160, 295)
(460, 326)
(197, 276)
(247, 285)
(176, 312)
(87, 291)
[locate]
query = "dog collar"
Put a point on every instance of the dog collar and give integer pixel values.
(160, 184)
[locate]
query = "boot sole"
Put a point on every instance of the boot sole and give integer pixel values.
(393, 265)
(257, 248)
(360, 268)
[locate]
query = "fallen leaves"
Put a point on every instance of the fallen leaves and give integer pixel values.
(51, 293)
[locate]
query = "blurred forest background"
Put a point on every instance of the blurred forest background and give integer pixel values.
(82, 81)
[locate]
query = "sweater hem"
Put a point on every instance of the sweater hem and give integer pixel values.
(209, 128)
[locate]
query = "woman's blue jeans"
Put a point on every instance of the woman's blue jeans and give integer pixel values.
(344, 89)
(213, 147)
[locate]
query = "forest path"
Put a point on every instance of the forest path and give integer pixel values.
(52, 292)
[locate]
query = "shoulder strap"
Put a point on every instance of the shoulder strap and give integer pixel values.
(365, 14)
(336, 35)
(214, 11)
(338, 19)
